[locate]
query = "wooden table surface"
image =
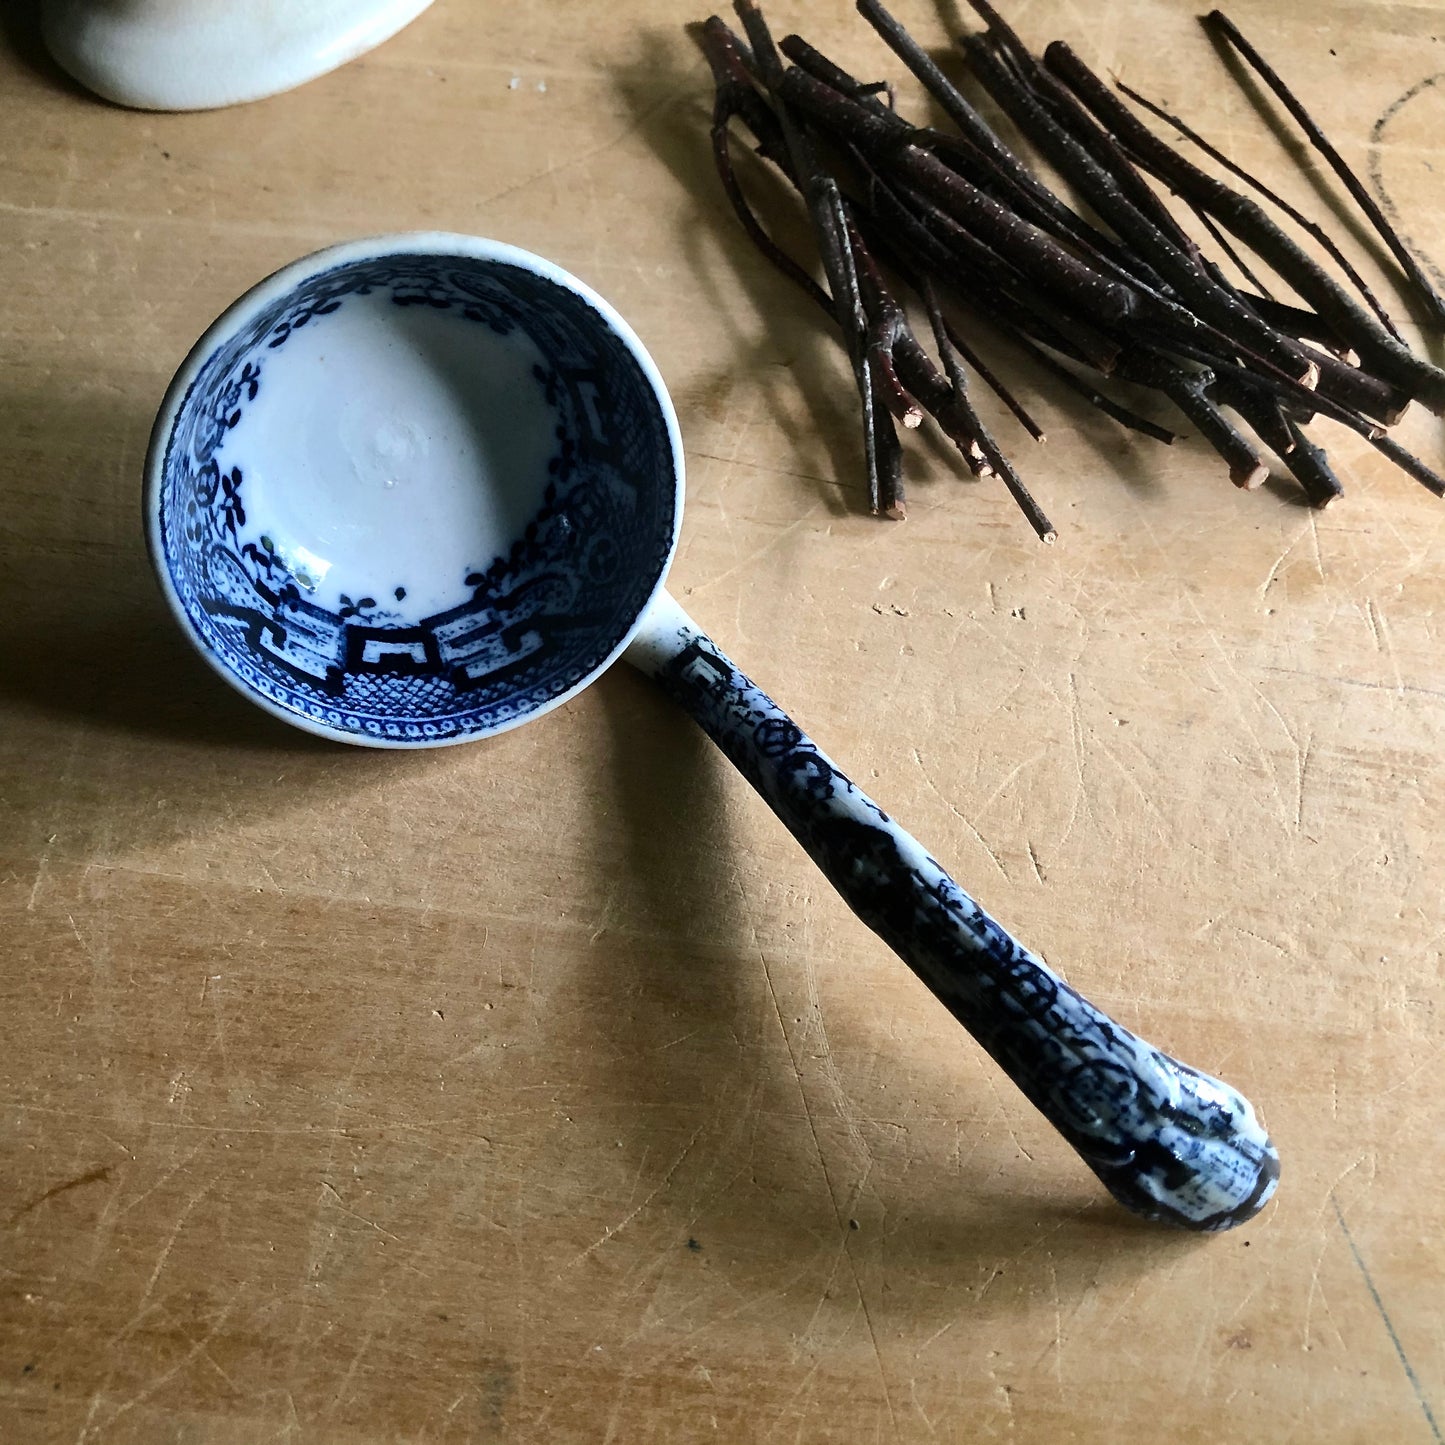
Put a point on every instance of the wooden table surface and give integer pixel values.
(539, 1090)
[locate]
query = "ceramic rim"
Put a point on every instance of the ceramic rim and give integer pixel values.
(273, 289)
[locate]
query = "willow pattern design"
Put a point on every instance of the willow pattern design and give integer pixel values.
(529, 623)
(1169, 1143)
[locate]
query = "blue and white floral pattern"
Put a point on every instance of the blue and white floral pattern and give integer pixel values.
(538, 620)
(1171, 1144)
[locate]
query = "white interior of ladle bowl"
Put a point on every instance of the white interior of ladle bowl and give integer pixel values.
(394, 453)
(414, 490)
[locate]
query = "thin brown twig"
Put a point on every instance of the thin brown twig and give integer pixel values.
(995, 458)
(825, 209)
(1228, 247)
(1311, 228)
(1311, 469)
(892, 348)
(990, 379)
(1189, 391)
(1262, 411)
(735, 96)
(1205, 301)
(925, 234)
(1221, 25)
(1382, 352)
(1307, 325)
(942, 341)
(1409, 463)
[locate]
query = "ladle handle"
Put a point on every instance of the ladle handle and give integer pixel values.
(1169, 1143)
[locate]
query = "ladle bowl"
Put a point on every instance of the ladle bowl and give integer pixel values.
(419, 489)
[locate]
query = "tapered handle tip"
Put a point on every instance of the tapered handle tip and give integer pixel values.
(1179, 1147)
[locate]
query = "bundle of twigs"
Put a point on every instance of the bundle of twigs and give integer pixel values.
(1121, 291)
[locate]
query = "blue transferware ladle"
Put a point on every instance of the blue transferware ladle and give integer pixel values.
(418, 489)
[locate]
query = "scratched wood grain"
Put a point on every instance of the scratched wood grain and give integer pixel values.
(537, 1090)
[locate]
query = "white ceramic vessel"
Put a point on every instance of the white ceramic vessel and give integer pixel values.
(420, 489)
(200, 54)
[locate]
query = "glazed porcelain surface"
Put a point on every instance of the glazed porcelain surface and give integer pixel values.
(1169, 1143)
(200, 54)
(421, 489)
(414, 491)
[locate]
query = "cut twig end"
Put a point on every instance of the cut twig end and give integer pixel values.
(1249, 479)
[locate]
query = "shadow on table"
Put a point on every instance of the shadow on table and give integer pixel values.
(118, 662)
(20, 34)
(693, 1035)
(124, 734)
(791, 350)
(86, 632)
